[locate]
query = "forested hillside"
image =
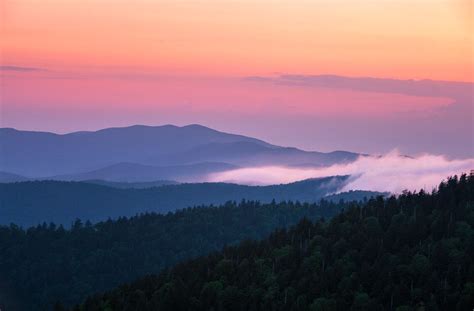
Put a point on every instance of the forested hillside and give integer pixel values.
(414, 252)
(34, 202)
(47, 263)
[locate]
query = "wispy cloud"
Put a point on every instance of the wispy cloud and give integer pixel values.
(20, 68)
(391, 172)
(429, 88)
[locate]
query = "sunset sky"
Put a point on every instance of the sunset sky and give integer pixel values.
(245, 66)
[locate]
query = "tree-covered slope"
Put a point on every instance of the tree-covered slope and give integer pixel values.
(34, 202)
(414, 252)
(47, 263)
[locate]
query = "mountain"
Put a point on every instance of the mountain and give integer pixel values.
(246, 153)
(49, 155)
(33, 202)
(132, 172)
(135, 185)
(412, 252)
(6, 177)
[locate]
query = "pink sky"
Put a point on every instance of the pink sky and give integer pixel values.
(81, 65)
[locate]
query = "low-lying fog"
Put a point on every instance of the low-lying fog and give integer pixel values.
(391, 172)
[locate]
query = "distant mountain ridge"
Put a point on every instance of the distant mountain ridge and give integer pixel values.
(32, 202)
(132, 185)
(6, 177)
(132, 172)
(50, 155)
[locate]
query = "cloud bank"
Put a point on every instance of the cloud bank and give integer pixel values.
(19, 68)
(391, 172)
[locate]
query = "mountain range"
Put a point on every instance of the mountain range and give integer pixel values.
(34, 202)
(144, 154)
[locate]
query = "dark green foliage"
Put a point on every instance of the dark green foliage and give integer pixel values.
(414, 252)
(47, 263)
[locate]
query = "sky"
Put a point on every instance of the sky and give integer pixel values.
(320, 75)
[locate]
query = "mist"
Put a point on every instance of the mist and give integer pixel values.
(391, 172)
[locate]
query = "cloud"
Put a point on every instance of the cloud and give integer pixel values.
(439, 112)
(20, 69)
(430, 88)
(391, 172)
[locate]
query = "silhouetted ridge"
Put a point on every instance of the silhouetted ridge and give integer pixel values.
(54, 155)
(33, 202)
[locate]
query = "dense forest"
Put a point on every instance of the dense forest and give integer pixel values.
(47, 263)
(34, 202)
(411, 252)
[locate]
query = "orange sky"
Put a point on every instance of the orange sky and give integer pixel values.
(404, 39)
(68, 65)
